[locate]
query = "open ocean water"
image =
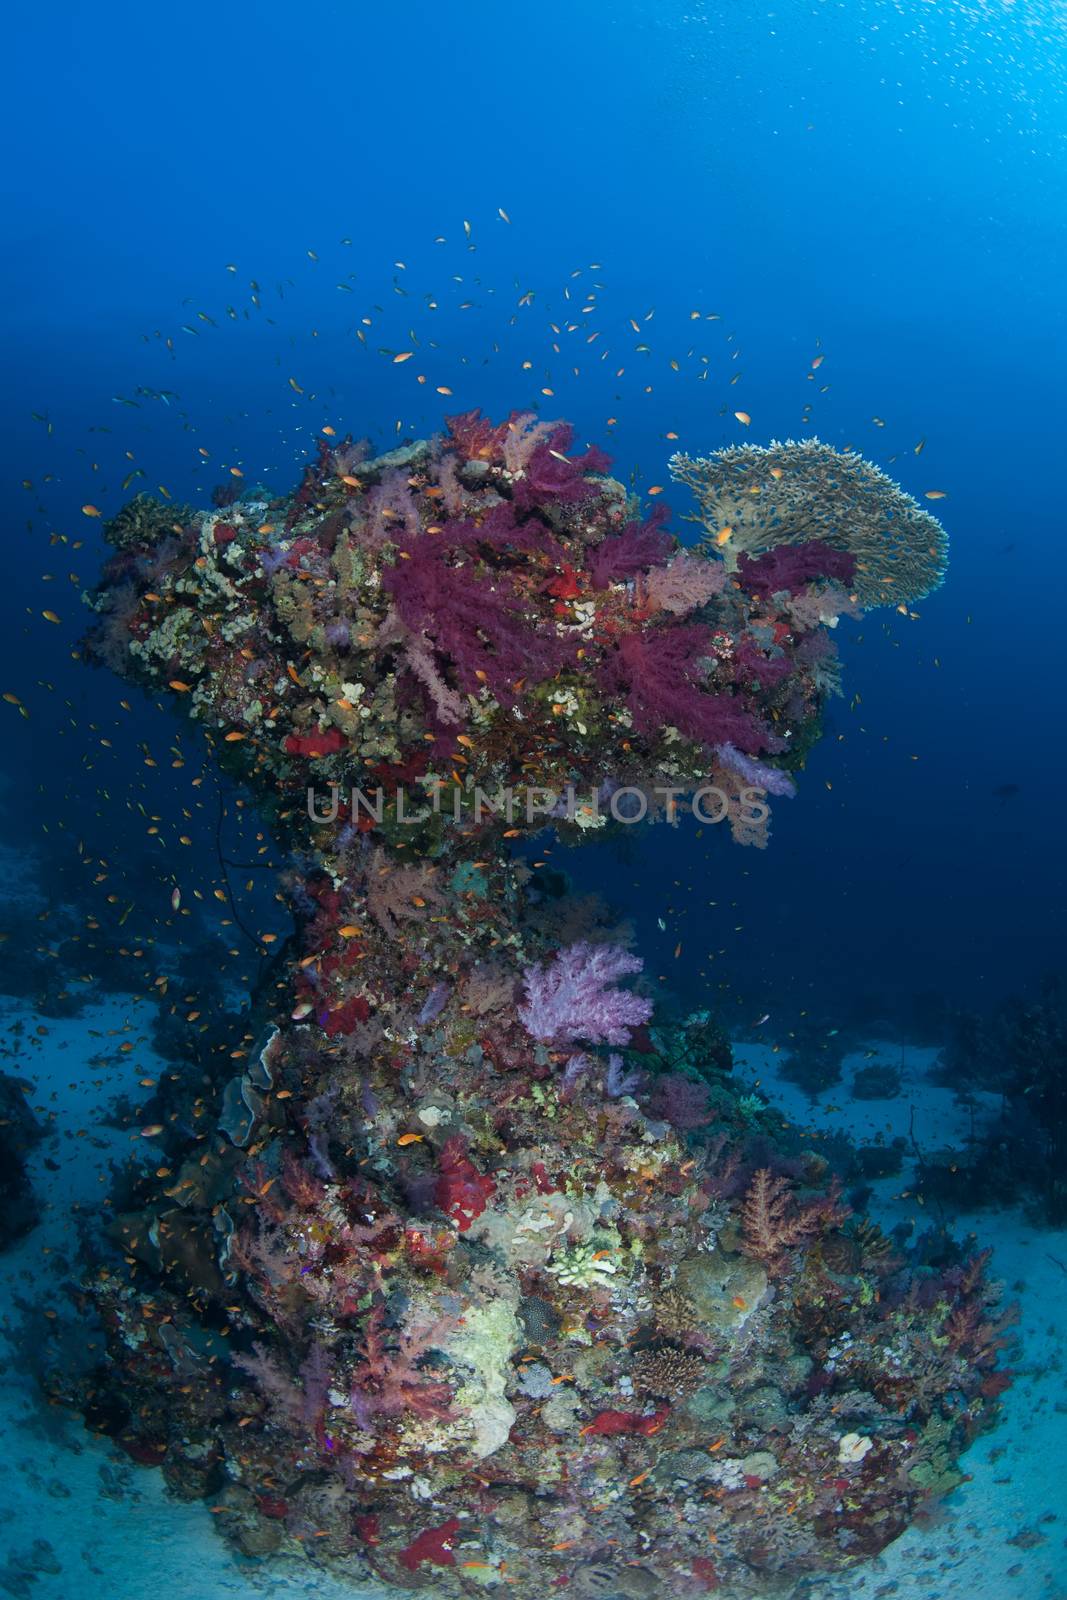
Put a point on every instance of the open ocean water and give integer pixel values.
(627, 1211)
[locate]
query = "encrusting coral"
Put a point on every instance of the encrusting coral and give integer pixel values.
(463, 1274)
(756, 499)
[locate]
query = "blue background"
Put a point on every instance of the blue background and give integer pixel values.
(880, 184)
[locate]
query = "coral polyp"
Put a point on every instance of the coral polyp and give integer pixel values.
(468, 1273)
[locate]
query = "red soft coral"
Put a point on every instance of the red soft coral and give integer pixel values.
(432, 1544)
(388, 1382)
(461, 1190)
(324, 742)
(475, 437)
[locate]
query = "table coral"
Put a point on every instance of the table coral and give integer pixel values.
(756, 500)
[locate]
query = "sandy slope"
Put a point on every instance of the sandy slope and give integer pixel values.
(109, 1529)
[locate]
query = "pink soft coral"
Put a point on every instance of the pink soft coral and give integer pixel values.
(388, 1382)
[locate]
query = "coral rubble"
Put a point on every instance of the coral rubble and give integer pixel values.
(461, 1273)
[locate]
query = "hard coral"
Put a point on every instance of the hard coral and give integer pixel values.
(754, 498)
(144, 520)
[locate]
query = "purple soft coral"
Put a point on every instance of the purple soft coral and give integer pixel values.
(476, 621)
(792, 566)
(575, 997)
(658, 672)
(553, 475)
(618, 1081)
(498, 529)
(639, 546)
(681, 1101)
(752, 662)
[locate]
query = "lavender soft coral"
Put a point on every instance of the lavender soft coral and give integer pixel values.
(575, 997)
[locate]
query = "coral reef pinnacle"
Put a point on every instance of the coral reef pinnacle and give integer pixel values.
(438, 1287)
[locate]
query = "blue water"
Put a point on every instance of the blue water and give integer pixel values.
(880, 184)
(883, 184)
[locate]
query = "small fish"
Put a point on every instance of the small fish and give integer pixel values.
(90, 511)
(411, 1138)
(743, 418)
(936, 494)
(175, 900)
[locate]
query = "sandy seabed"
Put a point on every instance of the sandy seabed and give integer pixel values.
(78, 1519)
